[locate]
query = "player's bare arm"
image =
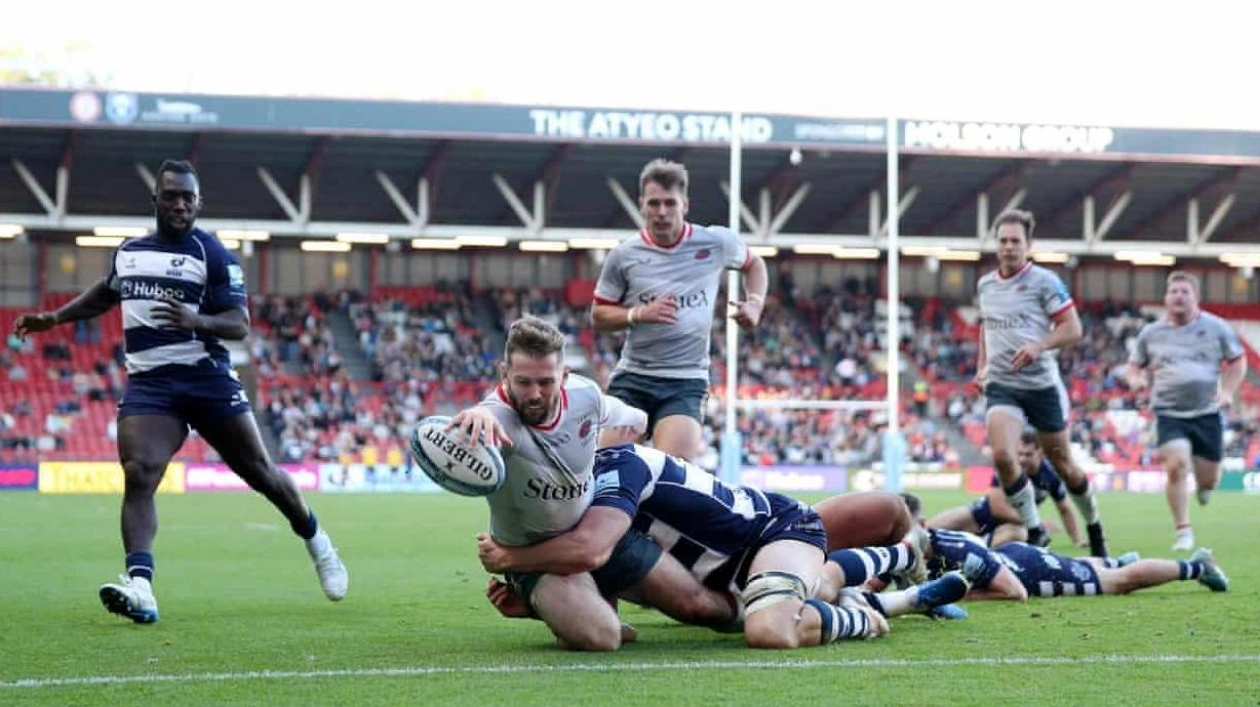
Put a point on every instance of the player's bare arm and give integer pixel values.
(612, 317)
(1232, 375)
(982, 362)
(1004, 586)
(1135, 377)
(478, 420)
(748, 311)
(584, 548)
(94, 301)
(232, 324)
(1066, 331)
(1070, 525)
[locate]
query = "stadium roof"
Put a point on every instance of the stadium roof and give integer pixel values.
(316, 167)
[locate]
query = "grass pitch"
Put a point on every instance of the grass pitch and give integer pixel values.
(243, 622)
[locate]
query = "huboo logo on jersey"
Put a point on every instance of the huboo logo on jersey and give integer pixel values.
(642, 125)
(1006, 137)
(136, 288)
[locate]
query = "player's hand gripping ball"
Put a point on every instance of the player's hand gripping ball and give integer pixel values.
(459, 466)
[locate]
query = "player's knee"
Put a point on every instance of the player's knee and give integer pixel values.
(763, 631)
(593, 636)
(1004, 458)
(143, 472)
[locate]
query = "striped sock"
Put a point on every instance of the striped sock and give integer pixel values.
(140, 564)
(863, 563)
(1189, 570)
(840, 622)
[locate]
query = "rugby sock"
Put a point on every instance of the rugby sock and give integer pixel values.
(1024, 500)
(863, 563)
(891, 603)
(1189, 570)
(1085, 503)
(140, 564)
(306, 529)
(840, 622)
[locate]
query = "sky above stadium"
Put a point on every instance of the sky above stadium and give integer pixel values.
(1057, 62)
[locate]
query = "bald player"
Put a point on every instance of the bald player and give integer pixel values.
(547, 424)
(1198, 364)
(1027, 313)
(661, 287)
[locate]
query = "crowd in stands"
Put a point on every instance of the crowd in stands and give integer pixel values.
(433, 350)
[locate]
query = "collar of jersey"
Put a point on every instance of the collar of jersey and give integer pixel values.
(1027, 266)
(647, 237)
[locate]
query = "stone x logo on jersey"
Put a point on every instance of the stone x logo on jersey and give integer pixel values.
(703, 254)
(585, 429)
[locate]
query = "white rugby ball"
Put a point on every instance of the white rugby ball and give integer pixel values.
(454, 464)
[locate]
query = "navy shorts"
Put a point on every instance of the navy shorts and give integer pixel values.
(982, 514)
(633, 557)
(661, 397)
(1044, 409)
(206, 393)
(789, 520)
(1204, 433)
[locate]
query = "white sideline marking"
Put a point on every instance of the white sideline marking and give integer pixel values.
(421, 671)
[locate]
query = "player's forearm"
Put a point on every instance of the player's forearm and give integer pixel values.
(1070, 525)
(756, 280)
(1065, 333)
(587, 547)
(232, 324)
(1135, 376)
(92, 303)
(611, 317)
(1233, 375)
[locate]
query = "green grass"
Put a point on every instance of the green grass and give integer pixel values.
(238, 595)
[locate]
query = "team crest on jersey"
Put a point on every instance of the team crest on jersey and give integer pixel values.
(585, 430)
(703, 254)
(1021, 288)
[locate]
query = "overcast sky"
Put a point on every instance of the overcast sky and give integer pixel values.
(1103, 62)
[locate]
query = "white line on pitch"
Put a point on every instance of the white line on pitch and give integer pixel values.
(420, 671)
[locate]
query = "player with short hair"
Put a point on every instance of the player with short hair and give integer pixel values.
(548, 423)
(1198, 365)
(769, 548)
(1018, 570)
(661, 287)
(1026, 313)
(181, 293)
(991, 516)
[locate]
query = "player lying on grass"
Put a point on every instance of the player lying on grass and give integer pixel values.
(994, 519)
(768, 547)
(1018, 570)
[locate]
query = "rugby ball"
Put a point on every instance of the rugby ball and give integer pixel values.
(453, 463)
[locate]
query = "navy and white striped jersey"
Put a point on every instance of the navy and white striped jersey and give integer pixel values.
(951, 550)
(197, 272)
(705, 524)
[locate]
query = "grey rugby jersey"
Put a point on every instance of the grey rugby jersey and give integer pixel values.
(1019, 310)
(1186, 362)
(638, 271)
(549, 466)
